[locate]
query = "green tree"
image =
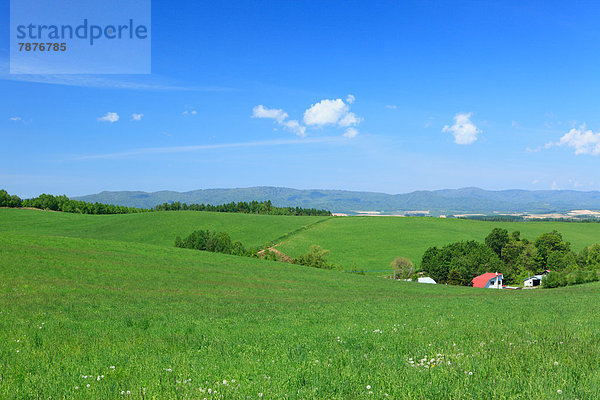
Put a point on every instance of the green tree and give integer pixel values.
(497, 239)
(550, 242)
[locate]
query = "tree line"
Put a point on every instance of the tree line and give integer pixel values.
(64, 204)
(515, 257)
(252, 207)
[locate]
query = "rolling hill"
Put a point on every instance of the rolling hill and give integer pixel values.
(92, 307)
(369, 243)
(466, 200)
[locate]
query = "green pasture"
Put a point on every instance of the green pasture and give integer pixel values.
(371, 243)
(84, 318)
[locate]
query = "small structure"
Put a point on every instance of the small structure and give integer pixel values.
(426, 280)
(535, 280)
(490, 280)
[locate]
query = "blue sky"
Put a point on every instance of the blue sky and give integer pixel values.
(335, 95)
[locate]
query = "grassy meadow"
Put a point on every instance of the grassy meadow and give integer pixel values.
(158, 228)
(373, 242)
(85, 313)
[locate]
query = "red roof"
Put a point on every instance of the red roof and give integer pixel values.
(482, 280)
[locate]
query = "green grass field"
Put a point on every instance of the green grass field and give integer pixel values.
(373, 242)
(94, 318)
(370, 243)
(159, 228)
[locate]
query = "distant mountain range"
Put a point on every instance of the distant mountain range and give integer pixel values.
(447, 201)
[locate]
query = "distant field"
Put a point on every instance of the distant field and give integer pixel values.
(154, 228)
(177, 323)
(370, 243)
(373, 242)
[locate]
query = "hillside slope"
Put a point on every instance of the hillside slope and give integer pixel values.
(371, 243)
(153, 228)
(87, 318)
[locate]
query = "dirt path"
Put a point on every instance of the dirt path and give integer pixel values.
(282, 256)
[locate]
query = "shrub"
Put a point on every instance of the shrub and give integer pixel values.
(316, 258)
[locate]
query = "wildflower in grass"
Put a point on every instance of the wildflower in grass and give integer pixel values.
(555, 362)
(88, 385)
(368, 387)
(112, 367)
(168, 370)
(76, 387)
(470, 373)
(260, 395)
(559, 391)
(224, 381)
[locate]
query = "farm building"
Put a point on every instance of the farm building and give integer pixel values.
(490, 280)
(426, 279)
(535, 280)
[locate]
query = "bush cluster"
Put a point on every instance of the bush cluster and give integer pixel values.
(316, 258)
(558, 279)
(216, 242)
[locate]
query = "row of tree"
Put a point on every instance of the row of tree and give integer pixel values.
(63, 203)
(252, 207)
(515, 257)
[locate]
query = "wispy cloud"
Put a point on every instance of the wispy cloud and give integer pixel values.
(350, 133)
(144, 82)
(190, 112)
(463, 130)
(391, 106)
(193, 148)
(137, 117)
(16, 119)
(109, 117)
(280, 117)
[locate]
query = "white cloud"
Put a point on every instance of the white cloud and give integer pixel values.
(137, 117)
(535, 181)
(349, 119)
(582, 140)
(350, 133)
(294, 126)
(109, 117)
(280, 117)
(463, 130)
(391, 106)
(16, 119)
(325, 112)
(332, 112)
(261, 111)
(555, 186)
(191, 112)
